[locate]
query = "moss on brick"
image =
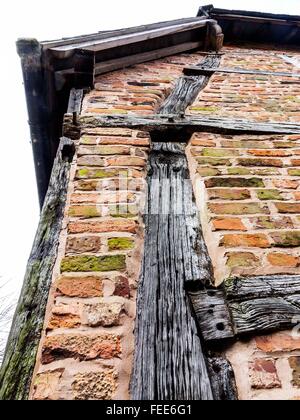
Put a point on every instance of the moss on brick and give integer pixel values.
(204, 108)
(123, 210)
(286, 239)
(212, 152)
(208, 171)
(86, 263)
(120, 243)
(294, 172)
(242, 259)
(213, 161)
(269, 195)
(234, 182)
(229, 194)
(265, 171)
(260, 162)
(238, 171)
(101, 173)
(104, 173)
(238, 208)
(82, 173)
(84, 211)
(284, 144)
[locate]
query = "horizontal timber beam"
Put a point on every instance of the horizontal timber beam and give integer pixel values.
(188, 123)
(247, 306)
(263, 303)
(117, 40)
(198, 70)
(119, 63)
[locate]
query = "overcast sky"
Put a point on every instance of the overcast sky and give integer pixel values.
(51, 20)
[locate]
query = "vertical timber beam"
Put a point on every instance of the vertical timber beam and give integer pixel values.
(19, 359)
(169, 361)
(30, 52)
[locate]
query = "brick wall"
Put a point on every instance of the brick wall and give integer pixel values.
(247, 188)
(87, 346)
(139, 89)
(267, 367)
(250, 185)
(261, 98)
(248, 192)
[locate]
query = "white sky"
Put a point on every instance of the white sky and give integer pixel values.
(51, 20)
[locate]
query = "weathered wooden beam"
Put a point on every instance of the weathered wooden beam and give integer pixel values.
(247, 305)
(222, 379)
(246, 288)
(30, 52)
(187, 89)
(116, 39)
(263, 303)
(212, 314)
(98, 36)
(75, 103)
(205, 70)
(190, 123)
(19, 359)
(265, 314)
(215, 36)
(84, 68)
(123, 62)
(169, 362)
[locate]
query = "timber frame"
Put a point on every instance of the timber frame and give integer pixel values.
(56, 76)
(52, 68)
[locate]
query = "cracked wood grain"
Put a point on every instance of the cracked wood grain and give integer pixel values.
(169, 361)
(187, 88)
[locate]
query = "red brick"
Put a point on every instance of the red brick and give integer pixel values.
(286, 239)
(237, 208)
(103, 150)
(91, 161)
(260, 162)
(46, 385)
(111, 225)
(81, 286)
(263, 374)
(286, 184)
(122, 287)
(104, 314)
(288, 207)
(295, 366)
(258, 240)
(126, 161)
(99, 385)
(202, 142)
(270, 153)
(228, 194)
(242, 259)
(63, 321)
(283, 260)
(228, 224)
(278, 342)
(104, 197)
(80, 346)
(84, 244)
(272, 222)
